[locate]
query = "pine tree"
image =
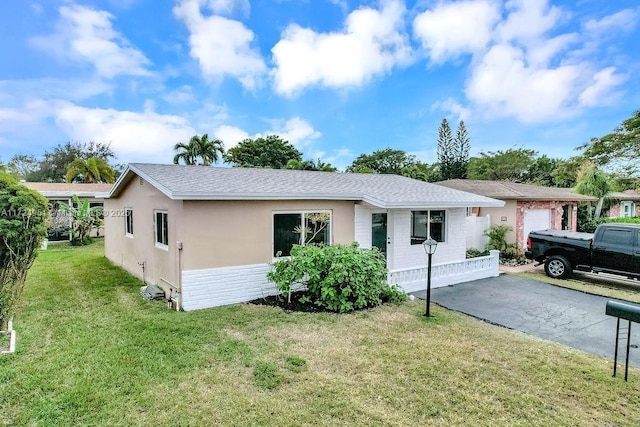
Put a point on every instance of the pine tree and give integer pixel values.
(462, 146)
(445, 150)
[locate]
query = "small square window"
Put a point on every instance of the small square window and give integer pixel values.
(427, 223)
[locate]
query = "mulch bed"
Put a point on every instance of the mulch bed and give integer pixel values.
(294, 305)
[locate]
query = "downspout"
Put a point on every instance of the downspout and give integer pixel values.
(179, 281)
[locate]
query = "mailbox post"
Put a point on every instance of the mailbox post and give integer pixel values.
(630, 313)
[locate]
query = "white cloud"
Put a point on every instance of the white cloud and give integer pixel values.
(504, 85)
(134, 136)
(452, 106)
(222, 46)
(528, 20)
(452, 29)
(372, 43)
(180, 95)
(228, 6)
(624, 20)
(523, 66)
(85, 35)
(297, 131)
(230, 135)
(602, 88)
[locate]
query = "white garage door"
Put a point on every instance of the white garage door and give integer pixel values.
(535, 219)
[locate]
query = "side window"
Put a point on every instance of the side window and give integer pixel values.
(128, 221)
(617, 237)
(427, 223)
(162, 229)
(299, 228)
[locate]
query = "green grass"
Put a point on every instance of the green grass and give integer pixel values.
(91, 351)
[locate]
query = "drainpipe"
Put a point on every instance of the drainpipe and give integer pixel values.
(141, 264)
(179, 281)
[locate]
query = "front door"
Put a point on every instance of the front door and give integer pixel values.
(379, 232)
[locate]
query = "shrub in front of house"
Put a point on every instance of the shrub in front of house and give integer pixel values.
(336, 277)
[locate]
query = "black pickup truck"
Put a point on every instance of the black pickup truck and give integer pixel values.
(613, 248)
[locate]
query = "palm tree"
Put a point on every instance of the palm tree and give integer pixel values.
(593, 182)
(198, 147)
(92, 170)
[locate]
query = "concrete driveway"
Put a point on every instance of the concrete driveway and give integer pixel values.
(550, 312)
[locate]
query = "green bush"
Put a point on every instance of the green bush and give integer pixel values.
(23, 218)
(475, 253)
(497, 235)
(338, 278)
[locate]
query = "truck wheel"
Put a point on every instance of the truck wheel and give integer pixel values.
(557, 267)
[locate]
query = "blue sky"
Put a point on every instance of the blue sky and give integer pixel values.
(336, 78)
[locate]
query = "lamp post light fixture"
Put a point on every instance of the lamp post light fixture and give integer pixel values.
(429, 246)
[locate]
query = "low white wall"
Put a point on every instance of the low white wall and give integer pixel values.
(445, 274)
(476, 226)
(229, 285)
(214, 287)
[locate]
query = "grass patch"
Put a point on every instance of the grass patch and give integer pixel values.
(607, 286)
(295, 363)
(266, 375)
(93, 352)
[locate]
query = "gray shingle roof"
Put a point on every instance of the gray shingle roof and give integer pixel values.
(503, 190)
(208, 183)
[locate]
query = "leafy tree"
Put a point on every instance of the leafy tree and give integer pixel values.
(90, 171)
(310, 165)
(422, 171)
(387, 161)
(461, 145)
(53, 166)
(270, 152)
(620, 149)
(446, 150)
(23, 218)
(509, 165)
(541, 171)
(199, 147)
(84, 219)
(22, 165)
(565, 173)
(594, 182)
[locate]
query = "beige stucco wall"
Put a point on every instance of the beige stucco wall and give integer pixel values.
(231, 233)
(213, 233)
(160, 265)
(507, 212)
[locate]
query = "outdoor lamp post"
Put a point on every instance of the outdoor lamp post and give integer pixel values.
(430, 246)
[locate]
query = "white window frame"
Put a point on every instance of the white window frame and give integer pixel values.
(428, 211)
(158, 243)
(128, 213)
(302, 214)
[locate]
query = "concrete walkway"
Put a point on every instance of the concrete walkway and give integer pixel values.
(550, 312)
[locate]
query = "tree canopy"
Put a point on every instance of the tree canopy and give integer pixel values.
(619, 149)
(270, 152)
(387, 161)
(593, 182)
(54, 164)
(23, 218)
(92, 170)
(198, 147)
(509, 165)
(310, 165)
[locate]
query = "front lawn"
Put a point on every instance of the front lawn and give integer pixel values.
(91, 351)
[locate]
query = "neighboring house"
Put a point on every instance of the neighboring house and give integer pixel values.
(527, 207)
(628, 205)
(211, 234)
(62, 193)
